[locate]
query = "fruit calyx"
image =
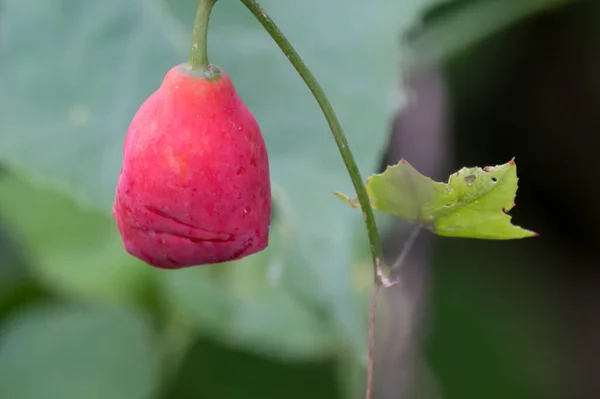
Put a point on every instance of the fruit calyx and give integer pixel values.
(209, 71)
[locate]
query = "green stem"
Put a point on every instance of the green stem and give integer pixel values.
(199, 49)
(336, 129)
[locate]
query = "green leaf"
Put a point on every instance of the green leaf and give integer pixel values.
(463, 24)
(211, 370)
(14, 273)
(17, 285)
(509, 335)
(55, 352)
(473, 204)
(75, 72)
(247, 305)
(75, 253)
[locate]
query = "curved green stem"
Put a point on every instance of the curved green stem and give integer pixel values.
(199, 49)
(336, 129)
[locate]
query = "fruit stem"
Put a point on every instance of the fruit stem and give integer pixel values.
(199, 49)
(380, 268)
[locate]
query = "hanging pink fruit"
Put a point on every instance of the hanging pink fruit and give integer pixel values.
(194, 188)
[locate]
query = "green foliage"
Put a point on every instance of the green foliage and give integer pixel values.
(220, 372)
(12, 272)
(59, 352)
(492, 322)
(76, 253)
(460, 25)
(473, 204)
(245, 305)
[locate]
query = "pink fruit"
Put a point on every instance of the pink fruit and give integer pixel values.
(194, 188)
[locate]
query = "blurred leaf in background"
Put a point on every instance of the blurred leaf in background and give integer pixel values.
(216, 371)
(76, 253)
(458, 26)
(66, 352)
(490, 326)
(16, 283)
(65, 127)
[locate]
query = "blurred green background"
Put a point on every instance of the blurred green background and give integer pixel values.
(79, 318)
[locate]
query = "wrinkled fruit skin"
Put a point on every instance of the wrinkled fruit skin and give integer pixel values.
(194, 188)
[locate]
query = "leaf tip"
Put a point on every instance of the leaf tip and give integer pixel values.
(529, 233)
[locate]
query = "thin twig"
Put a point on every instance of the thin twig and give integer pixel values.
(371, 363)
(408, 244)
(387, 282)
